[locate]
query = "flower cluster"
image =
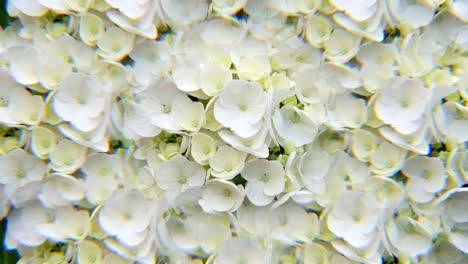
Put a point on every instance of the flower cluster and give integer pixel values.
(246, 131)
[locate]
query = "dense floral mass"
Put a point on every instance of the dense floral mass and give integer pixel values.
(245, 131)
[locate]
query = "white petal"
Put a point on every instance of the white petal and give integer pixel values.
(254, 192)
(23, 64)
(57, 5)
(29, 8)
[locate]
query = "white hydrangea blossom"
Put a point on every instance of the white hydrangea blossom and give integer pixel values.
(20, 168)
(312, 168)
(227, 162)
(161, 101)
(126, 215)
(203, 148)
(451, 119)
(61, 190)
(412, 13)
(67, 156)
(241, 107)
(178, 175)
(455, 218)
(402, 104)
(200, 231)
(24, 222)
(265, 179)
(229, 252)
(356, 210)
(294, 125)
(66, 223)
(221, 196)
(219, 131)
(427, 176)
(81, 101)
(408, 236)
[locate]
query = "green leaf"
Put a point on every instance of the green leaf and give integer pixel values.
(239, 180)
(4, 17)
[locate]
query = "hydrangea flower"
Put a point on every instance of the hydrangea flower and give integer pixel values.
(265, 180)
(20, 168)
(427, 176)
(241, 107)
(161, 100)
(67, 156)
(197, 230)
(89, 251)
(81, 101)
(91, 29)
(387, 159)
(203, 148)
(151, 59)
(402, 104)
(357, 210)
(305, 227)
(451, 119)
(188, 131)
(61, 190)
(294, 125)
(228, 254)
(251, 59)
(318, 30)
(178, 174)
(23, 225)
(455, 217)
(341, 46)
(366, 19)
(179, 13)
(312, 168)
(255, 145)
(16, 104)
(65, 223)
(221, 196)
(408, 236)
(227, 162)
(133, 121)
(415, 14)
(126, 215)
(115, 43)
